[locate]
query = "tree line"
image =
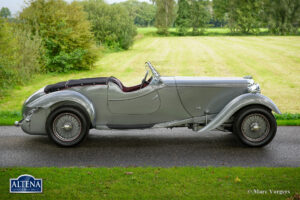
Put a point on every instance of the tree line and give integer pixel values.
(56, 36)
(245, 16)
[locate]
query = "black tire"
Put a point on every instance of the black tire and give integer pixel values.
(255, 126)
(68, 117)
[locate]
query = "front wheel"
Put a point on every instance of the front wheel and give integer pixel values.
(255, 126)
(67, 126)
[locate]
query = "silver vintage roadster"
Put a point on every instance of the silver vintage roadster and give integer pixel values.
(66, 111)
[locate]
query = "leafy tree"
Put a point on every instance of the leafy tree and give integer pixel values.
(164, 15)
(245, 15)
(111, 24)
(242, 15)
(142, 13)
(282, 16)
(200, 16)
(7, 55)
(183, 19)
(5, 12)
(145, 15)
(19, 55)
(65, 34)
(132, 6)
(220, 9)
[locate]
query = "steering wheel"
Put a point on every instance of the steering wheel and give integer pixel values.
(144, 79)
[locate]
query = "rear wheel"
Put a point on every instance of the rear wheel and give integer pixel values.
(255, 126)
(67, 126)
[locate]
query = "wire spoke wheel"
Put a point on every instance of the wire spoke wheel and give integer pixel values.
(255, 127)
(67, 127)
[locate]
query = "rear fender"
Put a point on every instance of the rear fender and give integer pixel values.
(236, 104)
(53, 98)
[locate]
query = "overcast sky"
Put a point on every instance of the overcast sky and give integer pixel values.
(16, 5)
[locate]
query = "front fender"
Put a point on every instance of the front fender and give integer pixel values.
(236, 104)
(48, 100)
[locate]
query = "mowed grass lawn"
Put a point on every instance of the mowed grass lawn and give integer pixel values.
(273, 61)
(158, 183)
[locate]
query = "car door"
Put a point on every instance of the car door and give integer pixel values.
(139, 102)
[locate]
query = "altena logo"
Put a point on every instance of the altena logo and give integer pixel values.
(25, 184)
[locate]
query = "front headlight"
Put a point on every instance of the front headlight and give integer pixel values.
(254, 88)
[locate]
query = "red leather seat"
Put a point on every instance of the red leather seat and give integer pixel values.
(124, 88)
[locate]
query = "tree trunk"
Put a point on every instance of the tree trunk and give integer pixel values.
(166, 8)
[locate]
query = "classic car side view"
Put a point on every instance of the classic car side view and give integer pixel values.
(66, 111)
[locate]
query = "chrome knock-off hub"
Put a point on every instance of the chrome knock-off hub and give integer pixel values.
(67, 127)
(254, 127)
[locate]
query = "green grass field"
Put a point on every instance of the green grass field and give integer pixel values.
(158, 183)
(273, 61)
